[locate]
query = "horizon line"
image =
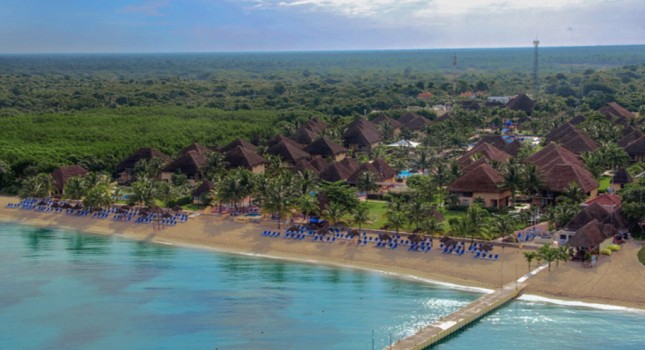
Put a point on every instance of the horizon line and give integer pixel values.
(302, 51)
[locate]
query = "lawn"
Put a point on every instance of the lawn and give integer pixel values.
(379, 208)
(641, 255)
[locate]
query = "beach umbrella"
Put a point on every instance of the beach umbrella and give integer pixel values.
(167, 215)
(78, 206)
(176, 208)
(66, 205)
(293, 228)
(486, 247)
(42, 202)
(384, 237)
(126, 207)
(353, 233)
(55, 205)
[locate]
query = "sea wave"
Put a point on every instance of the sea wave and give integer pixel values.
(577, 303)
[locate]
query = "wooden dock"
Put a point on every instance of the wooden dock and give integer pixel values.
(445, 326)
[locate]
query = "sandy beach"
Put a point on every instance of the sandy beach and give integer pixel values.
(617, 280)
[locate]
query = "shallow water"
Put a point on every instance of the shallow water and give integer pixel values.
(66, 290)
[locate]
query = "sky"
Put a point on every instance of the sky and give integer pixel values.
(110, 26)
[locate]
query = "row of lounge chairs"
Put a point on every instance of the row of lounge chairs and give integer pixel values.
(117, 213)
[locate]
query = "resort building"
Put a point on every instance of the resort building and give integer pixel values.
(388, 126)
(238, 142)
(125, 169)
(631, 136)
(309, 131)
(200, 193)
(559, 168)
(619, 180)
(636, 150)
(388, 174)
(594, 211)
(240, 157)
(362, 136)
(327, 148)
(335, 172)
(483, 150)
(521, 102)
(571, 138)
(289, 152)
(62, 174)
(482, 183)
(189, 163)
(593, 237)
(616, 113)
(512, 148)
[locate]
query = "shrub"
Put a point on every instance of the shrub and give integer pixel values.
(606, 251)
(614, 247)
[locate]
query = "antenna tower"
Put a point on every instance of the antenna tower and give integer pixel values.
(536, 86)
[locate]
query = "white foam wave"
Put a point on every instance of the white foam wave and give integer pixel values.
(576, 303)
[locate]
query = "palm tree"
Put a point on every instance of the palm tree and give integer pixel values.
(513, 178)
(334, 213)
(307, 181)
(532, 182)
(149, 168)
(503, 225)
(278, 195)
(396, 219)
(215, 165)
(563, 254)
(99, 196)
(144, 191)
(361, 215)
(460, 227)
(548, 254)
(530, 256)
(75, 188)
(41, 185)
(417, 210)
(573, 193)
(308, 205)
(366, 182)
(432, 225)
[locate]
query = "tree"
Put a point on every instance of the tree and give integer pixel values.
(513, 178)
(278, 194)
(361, 214)
(432, 225)
(548, 254)
(530, 256)
(98, 196)
(306, 181)
(150, 168)
(215, 165)
(41, 185)
(503, 225)
(339, 192)
(633, 204)
(532, 182)
(563, 254)
(366, 182)
(417, 210)
(75, 188)
(235, 186)
(573, 194)
(395, 219)
(334, 213)
(144, 192)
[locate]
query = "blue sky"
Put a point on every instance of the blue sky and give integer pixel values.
(57, 26)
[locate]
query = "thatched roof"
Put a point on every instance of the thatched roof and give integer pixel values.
(141, 154)
(627, 130)
(195, 147)
(288, 152)
(557, 178)
(350, 163)
(607, 200)
(578, 119)
(419, 123)
(238, 142)
(521, 102)
(475, 164)
(62, 174)
(362, 132)
(553, 151)
(315, 124)
(303, 165)
(616, 112)
(325, 147)
(621, 177)
(481, 179)
(243, 157)
(618, 220)
(560, 132)
(471, 105)
(591, 235)
(189, 163)
(636, 147)
(589, 213)
(384, 119)
(365, 167)
(318, 162)
(443, 117)
(305, 135)
(578, 142)
(498, 141)
(335, 172)
(408, 117)
(386, 171)
(485, 150)
(281, 138)
(205, 187)
(629, 138)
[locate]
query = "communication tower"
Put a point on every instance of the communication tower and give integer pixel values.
(536, 86)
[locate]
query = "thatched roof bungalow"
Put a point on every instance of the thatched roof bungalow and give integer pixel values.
(482, 182)
(62, 174)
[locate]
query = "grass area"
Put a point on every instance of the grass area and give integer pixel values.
(193, 207)
(603, 182)
(641, 255)
(378, 218)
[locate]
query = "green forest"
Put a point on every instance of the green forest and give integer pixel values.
(96, 109)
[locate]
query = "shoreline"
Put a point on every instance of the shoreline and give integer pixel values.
(460, 273)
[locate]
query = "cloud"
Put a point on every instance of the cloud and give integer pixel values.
(414, 8)
(150, 8)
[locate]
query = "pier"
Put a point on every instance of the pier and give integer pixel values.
(445, 326)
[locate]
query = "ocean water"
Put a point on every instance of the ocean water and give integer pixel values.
(66, 290)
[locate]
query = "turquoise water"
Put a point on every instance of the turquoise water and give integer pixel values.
(65, 290)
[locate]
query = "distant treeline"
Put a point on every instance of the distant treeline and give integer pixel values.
(333, 83)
